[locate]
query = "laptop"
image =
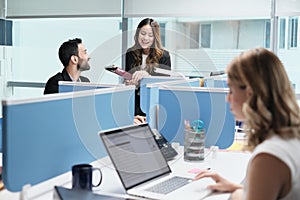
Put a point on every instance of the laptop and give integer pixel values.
(61, 193)
(142, 168)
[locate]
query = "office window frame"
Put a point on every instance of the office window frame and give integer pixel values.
(267, 34)
(282, 33)
(194, 35)
(293, 32)
(205, 36)
(163, 33)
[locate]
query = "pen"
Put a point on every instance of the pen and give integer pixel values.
(187, 124)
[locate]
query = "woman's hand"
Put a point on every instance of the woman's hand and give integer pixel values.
(222, 184)
(139, 119)
(129, 82)
(138, 75)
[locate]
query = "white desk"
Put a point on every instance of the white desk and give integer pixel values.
(231, 165)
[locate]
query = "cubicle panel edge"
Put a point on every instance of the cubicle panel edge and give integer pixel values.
(177, 104)
(216, 82)
(145, 92)
(150, 96)
(44, 136)
(69, 86)
(0, 134)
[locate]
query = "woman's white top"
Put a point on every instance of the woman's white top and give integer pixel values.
(288, 151)
(144, 58)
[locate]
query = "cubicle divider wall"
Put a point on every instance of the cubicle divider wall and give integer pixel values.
(169, 103)
(149, 95)
(69, 86)
(44, 136)
(216, 82)
(0, 134)
(177, 104)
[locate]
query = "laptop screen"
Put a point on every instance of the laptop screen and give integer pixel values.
(135, 154)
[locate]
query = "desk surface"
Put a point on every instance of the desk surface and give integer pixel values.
(230, 164)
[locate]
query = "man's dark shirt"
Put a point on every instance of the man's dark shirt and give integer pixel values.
(52, 83)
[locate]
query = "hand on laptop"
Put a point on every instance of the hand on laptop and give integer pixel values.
(139, 119)
(222, 184)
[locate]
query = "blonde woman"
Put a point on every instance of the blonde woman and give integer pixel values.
(262, 97)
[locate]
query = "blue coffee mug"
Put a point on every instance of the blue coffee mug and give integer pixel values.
(82, 177)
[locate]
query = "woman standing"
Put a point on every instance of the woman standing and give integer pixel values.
(145, 56)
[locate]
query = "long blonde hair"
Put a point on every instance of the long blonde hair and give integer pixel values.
(272, 107)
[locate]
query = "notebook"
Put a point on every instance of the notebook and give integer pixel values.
(142, 167)
(119, 71)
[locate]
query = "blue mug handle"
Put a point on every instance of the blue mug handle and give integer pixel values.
(100, 173)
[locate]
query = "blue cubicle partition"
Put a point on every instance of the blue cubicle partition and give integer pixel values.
(216, 82)
(0, 134)
(69, 86)
(150, 96)
(43, 137)
(177, 104)
(145, 94)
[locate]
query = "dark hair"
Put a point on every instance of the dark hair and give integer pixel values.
(68, 49)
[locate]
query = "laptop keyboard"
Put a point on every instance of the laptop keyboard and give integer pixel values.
(169, 185)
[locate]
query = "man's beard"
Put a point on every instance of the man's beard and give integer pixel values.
(83, 66)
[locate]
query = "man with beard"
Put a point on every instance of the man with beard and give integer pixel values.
(74, 57)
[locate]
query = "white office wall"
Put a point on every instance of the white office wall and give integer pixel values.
(36, 44)
(5, 71)
(212, 8)
(224, 35)
(289, 56)
(252, 34)
(2, 9)
(288, 7)
(46, 8)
